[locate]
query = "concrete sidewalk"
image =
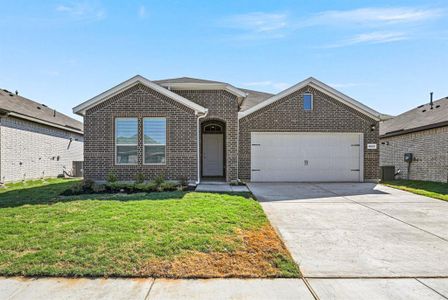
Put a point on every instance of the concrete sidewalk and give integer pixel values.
(257, 289)
(143, 289)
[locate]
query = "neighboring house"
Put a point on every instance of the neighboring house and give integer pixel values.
(196, 129)
(423, 132)
(36, 141)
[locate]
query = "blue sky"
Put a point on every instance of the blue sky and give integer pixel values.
(387, 54)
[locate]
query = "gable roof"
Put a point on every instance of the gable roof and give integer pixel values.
(253, 98)
(187, 83)
(416, 119)
(313, 82)
(81, 109)
(185, 80)
(24, 108)
(248, 98)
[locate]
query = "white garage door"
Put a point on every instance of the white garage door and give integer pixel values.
(293, 156)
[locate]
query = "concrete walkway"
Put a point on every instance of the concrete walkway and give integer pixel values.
(362, 241)
(220, 187)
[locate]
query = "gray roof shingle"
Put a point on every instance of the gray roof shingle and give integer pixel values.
(252, 98)
(11, 102)
(186, 80)
(421, 117)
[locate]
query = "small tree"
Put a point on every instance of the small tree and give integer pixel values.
(111, 176)
(159, 180)
(139, 177)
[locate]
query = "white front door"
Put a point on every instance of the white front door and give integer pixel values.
(212, 155)
(300, 156)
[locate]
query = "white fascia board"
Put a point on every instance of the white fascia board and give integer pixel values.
(81, 109)
(326, 89)
(205, 86)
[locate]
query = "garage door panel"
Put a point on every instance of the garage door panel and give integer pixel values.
(305, 156)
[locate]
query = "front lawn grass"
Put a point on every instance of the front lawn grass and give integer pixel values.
(168, 234)
(431, 189)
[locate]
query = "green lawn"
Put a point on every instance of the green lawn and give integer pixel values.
(435, 190)
(169, 234)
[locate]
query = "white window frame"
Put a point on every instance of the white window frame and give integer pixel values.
(144, 144)
(312, 101)
(116, 144)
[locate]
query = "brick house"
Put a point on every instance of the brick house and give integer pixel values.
(36, 141)
(423, 132)
(201, 129)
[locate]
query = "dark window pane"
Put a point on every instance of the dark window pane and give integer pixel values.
(154, 154)
(126, 154)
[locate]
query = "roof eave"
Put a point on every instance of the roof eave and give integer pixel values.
(36, 120)
(138, 79)
(416, 129)
(319, 86)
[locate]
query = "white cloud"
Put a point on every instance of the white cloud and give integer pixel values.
(82, 11)
(372, 16)
(371, 38)
(142, 12)
(391, 24)
(258, 24)
(272, 85)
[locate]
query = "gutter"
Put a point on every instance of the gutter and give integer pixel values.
(198, 131)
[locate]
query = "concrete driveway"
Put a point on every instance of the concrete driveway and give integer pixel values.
(360, 231)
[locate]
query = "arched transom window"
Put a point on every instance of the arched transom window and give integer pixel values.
(213, 128)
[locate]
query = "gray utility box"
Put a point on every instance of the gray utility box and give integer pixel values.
(387, 173)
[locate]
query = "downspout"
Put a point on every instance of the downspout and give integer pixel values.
(198, 148)
(238, 151)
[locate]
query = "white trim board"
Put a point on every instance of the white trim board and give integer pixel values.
(322, 87)
(81, 109)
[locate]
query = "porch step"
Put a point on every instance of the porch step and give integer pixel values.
(213, 182)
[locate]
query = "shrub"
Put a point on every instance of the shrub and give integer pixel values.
(99, 188)
(139, 177)
(111, 176)
(87, 185)
(167, 186)
(76, 189)
(114, 186)
(146, 187)
(183, 181)
(159, 180)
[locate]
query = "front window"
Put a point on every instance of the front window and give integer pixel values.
(126, 141)
(154, 141)
(308, 101)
